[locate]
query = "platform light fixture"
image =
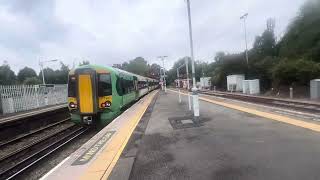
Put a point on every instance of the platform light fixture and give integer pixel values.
(244, 17)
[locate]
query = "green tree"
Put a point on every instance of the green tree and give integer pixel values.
(61, 75)
(25, 73)
(7, 76)
(301, 71)
(154, 71)
(32, 81)
(265, 45)
(49, 75)
(302, 38)
(138, 66)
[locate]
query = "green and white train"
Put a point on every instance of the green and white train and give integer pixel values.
(98, 94)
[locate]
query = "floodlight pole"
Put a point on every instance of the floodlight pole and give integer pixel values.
(41, 68)
(244, 17)
(195, 95)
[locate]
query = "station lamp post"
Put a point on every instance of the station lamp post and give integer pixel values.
(244, 17)
(41, 63)
(164, 72)
(195, 96)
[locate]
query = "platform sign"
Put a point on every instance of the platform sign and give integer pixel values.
(92, 151)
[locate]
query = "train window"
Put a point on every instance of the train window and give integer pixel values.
(142, 84)
(104, 85)
(72, 90)
(130, 86)
(119, 86)
(125, 86)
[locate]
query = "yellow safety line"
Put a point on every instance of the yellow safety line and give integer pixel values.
(284, 119)
(102, 167)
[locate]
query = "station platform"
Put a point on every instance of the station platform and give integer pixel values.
(25, 114)
(157, 139)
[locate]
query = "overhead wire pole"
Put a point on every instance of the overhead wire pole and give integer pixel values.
(195, 95)
(244, 17)
(164, 73)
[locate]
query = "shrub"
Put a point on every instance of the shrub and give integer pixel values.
(300, 71)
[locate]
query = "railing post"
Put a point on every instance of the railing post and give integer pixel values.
(36, 87)
(178, 85)
(1, 109)
(291, 92)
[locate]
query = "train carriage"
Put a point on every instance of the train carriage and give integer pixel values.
(97, 94)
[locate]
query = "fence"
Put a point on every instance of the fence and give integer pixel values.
(17, 98)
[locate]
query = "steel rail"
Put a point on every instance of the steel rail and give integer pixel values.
(58, 143)
(31, 133)
(33, 143)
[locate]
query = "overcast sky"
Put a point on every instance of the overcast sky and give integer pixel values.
(113, 31)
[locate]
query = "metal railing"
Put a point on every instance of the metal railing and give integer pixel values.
(17, 98)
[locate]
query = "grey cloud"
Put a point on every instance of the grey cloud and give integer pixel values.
(114, 31)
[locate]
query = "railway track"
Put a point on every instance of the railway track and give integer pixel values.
(34, 132)
(304, 106)
(22, 158)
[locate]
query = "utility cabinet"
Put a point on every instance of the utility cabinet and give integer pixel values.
(251, 86)
(205, 82)
(234, 82)
(315, 89)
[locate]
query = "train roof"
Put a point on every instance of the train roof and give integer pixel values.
(109, 68)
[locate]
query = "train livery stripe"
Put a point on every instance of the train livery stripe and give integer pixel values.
(85, 93)
(104, 164)
(283, 119)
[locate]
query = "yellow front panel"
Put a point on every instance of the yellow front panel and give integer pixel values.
(85, 93)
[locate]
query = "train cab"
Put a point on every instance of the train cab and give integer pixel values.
(98, 94)
(89, 93)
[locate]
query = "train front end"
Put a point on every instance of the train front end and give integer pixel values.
(89, 95)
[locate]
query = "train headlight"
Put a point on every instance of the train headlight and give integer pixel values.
(107, 103)
(72, 105)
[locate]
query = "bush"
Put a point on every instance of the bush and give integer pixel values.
(289, 72)
(32, 81)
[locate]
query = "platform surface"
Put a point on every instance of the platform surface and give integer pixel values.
(228, 144)
(232, 140)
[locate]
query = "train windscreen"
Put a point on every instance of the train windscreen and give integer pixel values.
(72, 92)
(104, 85)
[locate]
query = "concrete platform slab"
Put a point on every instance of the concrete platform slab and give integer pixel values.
(230, 144)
